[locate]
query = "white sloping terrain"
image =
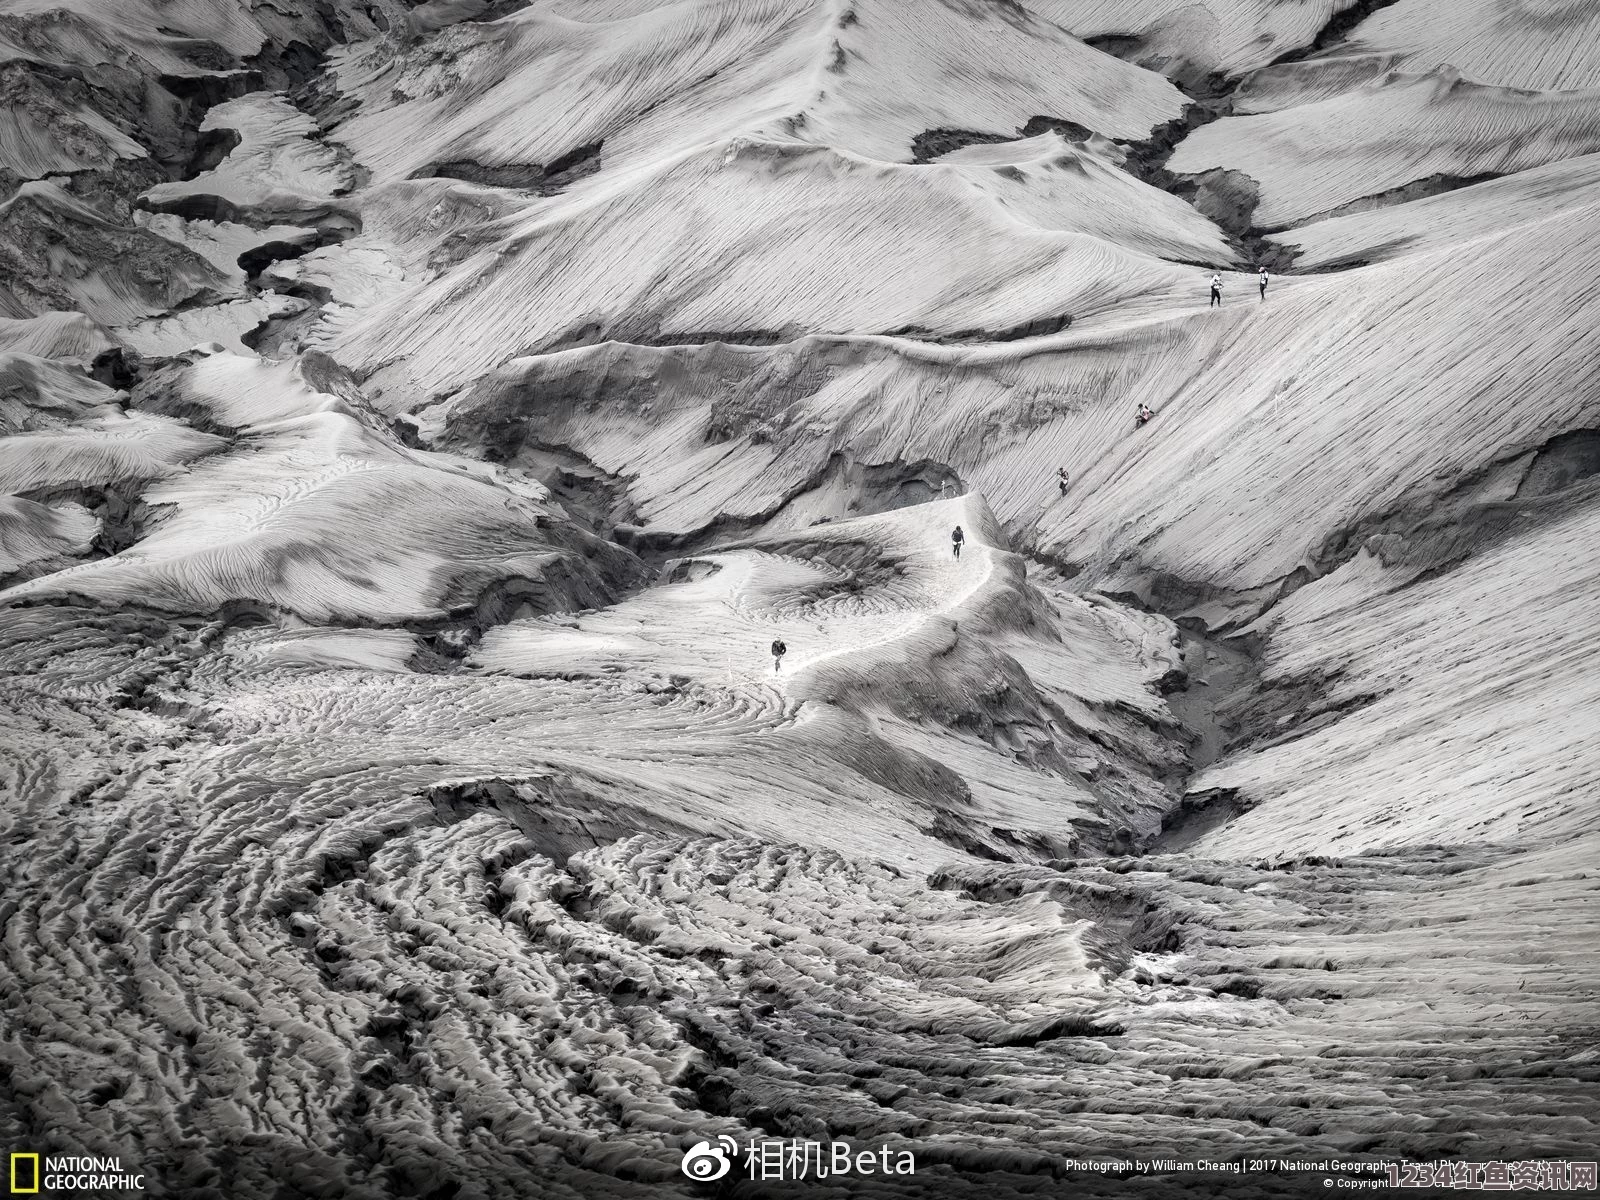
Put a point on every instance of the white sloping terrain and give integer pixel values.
(252, 523)
(187, 38)
(865, 78)
(1224, 36)
(224, 326)
(32, 145)
(601, 269)
(1397, 130)
(31, 532)
(67, 337)
(1048, 182)
(276, 167)
(1451, 218)
(40, 393)
(101, 451)
(1460, 752)
(226, 243)
(61, 252)
(1542, 46)
(419, 422)
(1282, 423)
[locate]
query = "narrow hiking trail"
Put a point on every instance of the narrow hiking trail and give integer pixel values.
(946, 581)
(716, 625)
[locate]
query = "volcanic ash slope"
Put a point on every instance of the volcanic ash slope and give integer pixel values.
(1315, 158)
(530, 97)
(767, 241)
(417, 423)
(266, 518)
(1286, 428)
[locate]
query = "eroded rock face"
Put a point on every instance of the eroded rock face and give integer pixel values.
(492, 695)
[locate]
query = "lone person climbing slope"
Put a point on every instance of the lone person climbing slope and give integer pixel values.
(1061, 479)
(778, 651)
(956, 538)
(1216, 291)
(1264, 279)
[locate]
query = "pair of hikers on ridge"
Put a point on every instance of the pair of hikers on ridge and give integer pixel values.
(1262, 278)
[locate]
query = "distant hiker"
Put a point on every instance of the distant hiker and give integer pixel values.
(956, 538)
(1264, 280)
(1145, 413)
(1216, 291)
(1061, 479)
(778, 651)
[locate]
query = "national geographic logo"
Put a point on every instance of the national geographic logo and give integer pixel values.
(24, 1174)
(33, 1174)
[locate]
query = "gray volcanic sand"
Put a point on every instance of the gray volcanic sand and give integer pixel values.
(417, 422)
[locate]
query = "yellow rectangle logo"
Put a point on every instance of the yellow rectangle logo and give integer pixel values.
(17, 1187)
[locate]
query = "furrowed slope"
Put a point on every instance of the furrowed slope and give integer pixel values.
(1318, 156)
(1225, 36)
(1081, 187)
(1549, 46)
(533, 96)
(398, 793)
(1443, 700)
(768, 241)
(1462, 215)
(1282, 425)
(269, 520)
